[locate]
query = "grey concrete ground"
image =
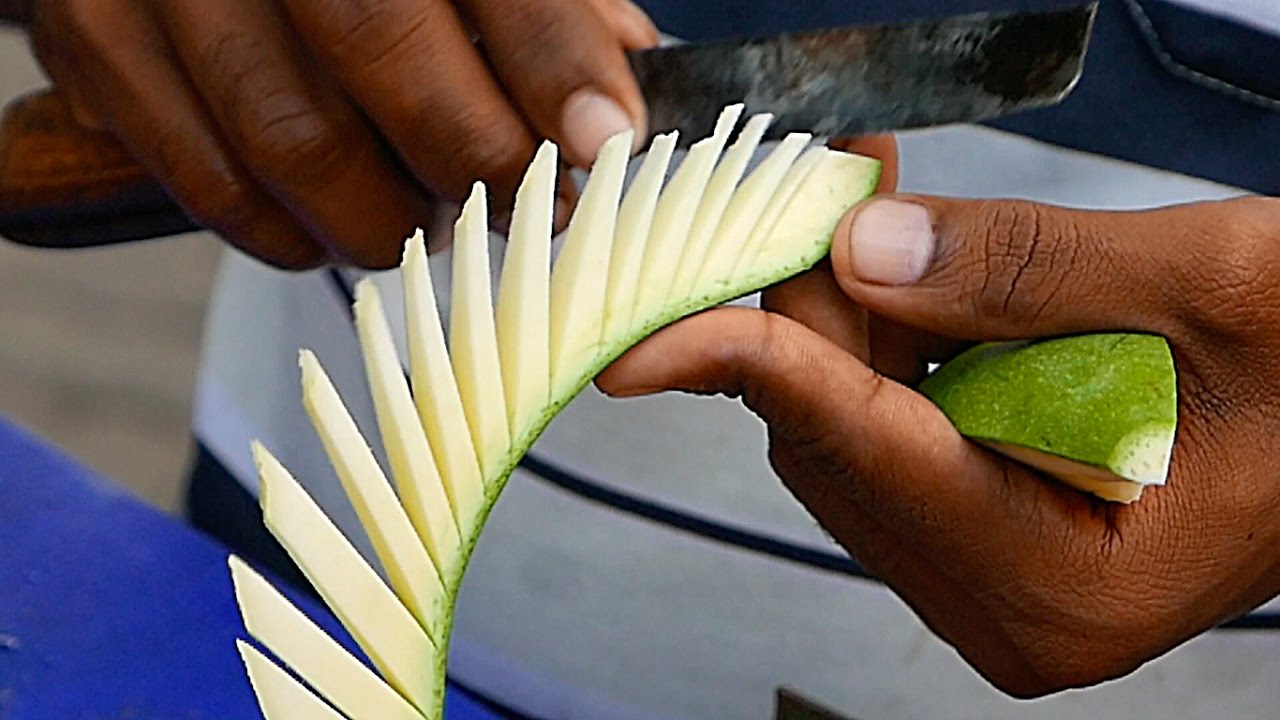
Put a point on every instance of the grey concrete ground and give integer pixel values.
(98, 348)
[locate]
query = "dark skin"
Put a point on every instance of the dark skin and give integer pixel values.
(309, 132)
(1039, 587)
(317, 132)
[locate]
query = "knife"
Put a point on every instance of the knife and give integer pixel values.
(791, 705)
(850, 81)
(62, 185)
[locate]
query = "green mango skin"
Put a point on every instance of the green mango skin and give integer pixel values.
(1109, 400)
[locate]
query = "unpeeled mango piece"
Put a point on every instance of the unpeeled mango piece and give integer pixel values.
(1098, 412)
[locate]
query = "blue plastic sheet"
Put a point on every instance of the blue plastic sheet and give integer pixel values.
(110, 609)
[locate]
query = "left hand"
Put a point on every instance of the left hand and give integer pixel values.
(1038, 587)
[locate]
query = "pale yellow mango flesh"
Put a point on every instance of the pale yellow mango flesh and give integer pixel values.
(436, 391)
(318, 659)
(581, 274)
(280, 696)
(384, 628)
(412, 463)
(403, 555)
(524, 297)
(631, 262)
(473, 338)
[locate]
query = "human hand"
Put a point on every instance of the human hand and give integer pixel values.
(1039, 587)
(314, 132)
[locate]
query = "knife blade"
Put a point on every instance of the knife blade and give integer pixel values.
(849, 81)
(62, 185)
(791, 705)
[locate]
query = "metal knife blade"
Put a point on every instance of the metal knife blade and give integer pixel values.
(62, 185)
(850, 81)
(791, 705)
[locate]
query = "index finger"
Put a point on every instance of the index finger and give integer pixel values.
(411, 65)
(900, 458)
(565, 68)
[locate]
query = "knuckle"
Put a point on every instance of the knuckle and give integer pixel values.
(95, 30)
(1246, 236)
(218, 199)
(235, 55)
(540, 21)
(1233, 281)
(271, 118)
(486, 150)
(1022, 251)
(225, 206)
(540, 28)
(1047, 663)
(49, 29)
(302, 145)
(79, 18)
(248, 221)
(373, 33)
(1082, 627)
(887, 561)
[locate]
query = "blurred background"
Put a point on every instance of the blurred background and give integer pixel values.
(98, 348)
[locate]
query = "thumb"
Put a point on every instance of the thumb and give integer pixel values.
(1007, 269)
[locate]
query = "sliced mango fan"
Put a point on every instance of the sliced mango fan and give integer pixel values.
(454, 430)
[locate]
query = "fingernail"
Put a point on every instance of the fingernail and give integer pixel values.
(891, 243)
(588, 120)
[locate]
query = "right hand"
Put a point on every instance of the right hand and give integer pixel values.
(1038, 586)
(309, 132)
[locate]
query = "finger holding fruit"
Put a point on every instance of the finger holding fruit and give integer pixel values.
(1039, 585)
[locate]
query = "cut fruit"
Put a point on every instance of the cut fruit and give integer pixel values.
(581, 274)
(381, 624)
(402, 554)
(1098, 412)
(745, 210)
(475, 405)
(801, 234)
(791, 183)
(436, 391)
(473, 337)
(410, 457)
(316, 658)
(524, 296)
(280, 696)
(720, 190)
(635, 219)
(675, 214)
